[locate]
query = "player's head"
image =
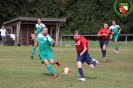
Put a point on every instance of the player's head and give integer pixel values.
(39, 20)
(45, 31)
(105, 25)
(113, 22)
(2, 26)
(76, 34)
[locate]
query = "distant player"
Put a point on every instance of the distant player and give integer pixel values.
(45, 52)
(104, 35)
(116, 31)
(32, 37)
(39, 27)
(82, 54)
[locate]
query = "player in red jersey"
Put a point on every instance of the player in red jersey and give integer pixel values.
(82, 54)
(104, 35)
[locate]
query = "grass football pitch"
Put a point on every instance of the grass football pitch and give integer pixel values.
(17, 70)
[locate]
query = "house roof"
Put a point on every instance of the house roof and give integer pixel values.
(35, 19)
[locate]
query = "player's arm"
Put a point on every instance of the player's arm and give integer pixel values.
(43, 25)
(99, 33)
(84, 45)
(110, 28)
(6, 32)
(51, 42)
(111, 34)
(119, 31)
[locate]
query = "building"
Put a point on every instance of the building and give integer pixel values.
(23, 26)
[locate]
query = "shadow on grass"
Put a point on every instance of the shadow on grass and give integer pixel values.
(47, 74)
(91, 77)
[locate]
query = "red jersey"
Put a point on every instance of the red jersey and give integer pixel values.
(105, 31)
(80, 44)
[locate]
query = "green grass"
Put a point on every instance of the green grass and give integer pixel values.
(17, 70)
(96, 43)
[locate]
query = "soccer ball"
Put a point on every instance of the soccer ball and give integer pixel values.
(66, 71)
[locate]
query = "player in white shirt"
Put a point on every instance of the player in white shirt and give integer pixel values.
(3, 35)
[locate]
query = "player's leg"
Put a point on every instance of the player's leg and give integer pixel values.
(50, 68)
(89, 61)
(33, 50)
(80, 60)
(5, 40)
(105, 43)
(50, 57)
(102, 46)
(46, 62)
(2, 40)
(115, 43)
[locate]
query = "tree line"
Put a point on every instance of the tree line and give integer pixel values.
(87, 16)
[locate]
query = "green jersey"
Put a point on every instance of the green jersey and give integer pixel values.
(39, 28)
(44, 42)
(115, 29)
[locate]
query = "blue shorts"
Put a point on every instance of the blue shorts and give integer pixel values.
(103, 42)
(85, 57)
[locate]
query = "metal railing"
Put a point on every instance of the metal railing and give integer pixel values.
(126, 37)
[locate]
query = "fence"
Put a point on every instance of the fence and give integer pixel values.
(70, 37)
(11, 39)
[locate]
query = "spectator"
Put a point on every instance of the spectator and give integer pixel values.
(32, 38)
(3, 35)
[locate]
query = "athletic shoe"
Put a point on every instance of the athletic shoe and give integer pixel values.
(42, 62)
(58, 63)
(32, 57)
(81, 79)
(96, 61)
(104, 59)
(116, 51)
(55, 75)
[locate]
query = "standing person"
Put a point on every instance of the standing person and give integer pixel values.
(39, 27)
(82, 54)
(104, 35)
(3, 35)
(116, 31)
(32, 37)
(45, 52)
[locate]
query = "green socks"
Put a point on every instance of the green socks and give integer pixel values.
(33, 51)
(50, 68)
(116, 46)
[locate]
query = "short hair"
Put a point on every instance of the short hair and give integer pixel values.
(39, 18)
(76, 32)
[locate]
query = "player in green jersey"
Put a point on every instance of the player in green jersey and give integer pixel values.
(116, 31)
(39, 27)
(45, 52)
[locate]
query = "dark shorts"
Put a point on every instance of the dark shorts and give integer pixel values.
(103, 42)
(85, 57)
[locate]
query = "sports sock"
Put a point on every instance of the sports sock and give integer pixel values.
(104, 53)
(81, 72)
(116, 46)
(50, 68)
(33, 51)
(55, 61)
(94, 63)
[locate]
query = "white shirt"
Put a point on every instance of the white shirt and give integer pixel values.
(112, 27)
(40, 25)
(3, 32)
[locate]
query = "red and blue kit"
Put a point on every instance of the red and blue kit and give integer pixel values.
(104, 40)
(106, 33)
(80, 44)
